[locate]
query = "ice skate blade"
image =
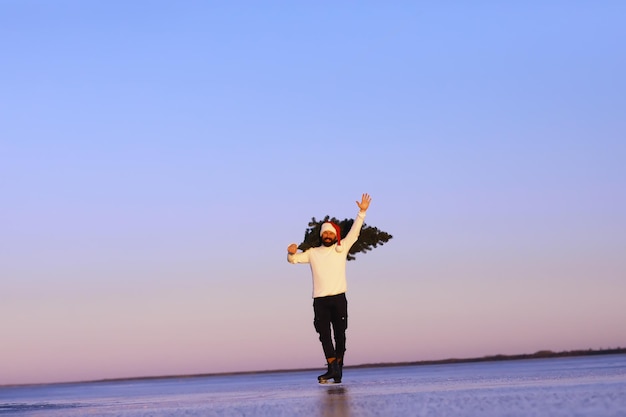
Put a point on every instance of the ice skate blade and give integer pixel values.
(328, 381)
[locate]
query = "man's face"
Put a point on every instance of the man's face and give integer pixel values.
(328, 238)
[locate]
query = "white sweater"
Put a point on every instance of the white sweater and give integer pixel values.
(328, 266)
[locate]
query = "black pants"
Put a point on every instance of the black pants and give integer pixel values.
(331, 310)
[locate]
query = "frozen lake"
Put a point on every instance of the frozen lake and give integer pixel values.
(593, 386)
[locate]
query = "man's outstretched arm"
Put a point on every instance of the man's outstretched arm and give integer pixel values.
(355, 230)
(296, 258)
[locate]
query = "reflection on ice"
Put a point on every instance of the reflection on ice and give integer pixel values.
(335, 402)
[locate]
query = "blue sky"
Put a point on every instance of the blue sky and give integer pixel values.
(157, 158)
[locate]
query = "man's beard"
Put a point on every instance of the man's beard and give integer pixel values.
(329, 242)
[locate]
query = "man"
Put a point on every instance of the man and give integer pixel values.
(328, 267)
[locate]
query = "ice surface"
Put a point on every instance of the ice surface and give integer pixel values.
(583, 386)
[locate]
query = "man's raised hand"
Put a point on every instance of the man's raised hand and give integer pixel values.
(365, 202)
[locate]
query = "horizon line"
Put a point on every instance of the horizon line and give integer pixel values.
(541, 354)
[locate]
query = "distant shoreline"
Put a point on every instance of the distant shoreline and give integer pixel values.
(542, 354)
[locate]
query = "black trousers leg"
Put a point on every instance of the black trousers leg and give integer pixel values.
(340, 324)
(331, 311)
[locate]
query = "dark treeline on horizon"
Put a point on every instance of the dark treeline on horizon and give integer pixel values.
(542, 354)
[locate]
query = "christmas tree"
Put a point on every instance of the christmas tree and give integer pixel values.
(369, 238)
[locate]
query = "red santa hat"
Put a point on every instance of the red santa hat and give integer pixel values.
(332, 227)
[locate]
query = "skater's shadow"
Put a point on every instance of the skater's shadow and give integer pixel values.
(335, 402)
